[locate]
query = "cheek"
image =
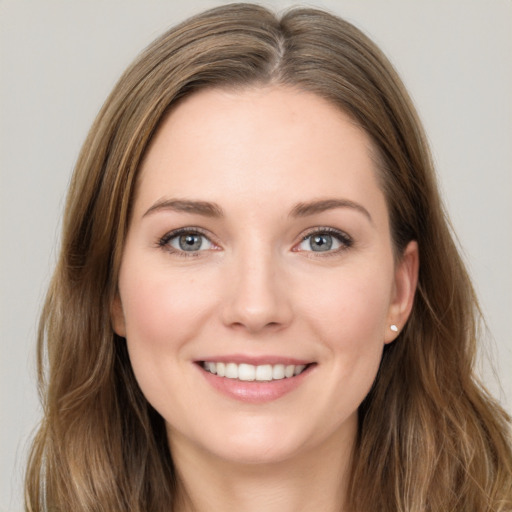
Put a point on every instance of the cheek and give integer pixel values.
(349, 319)
(351, 307)
(162, 308)
(163, 313)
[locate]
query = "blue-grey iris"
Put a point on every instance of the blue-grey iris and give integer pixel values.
(190, 242)
(320, 243)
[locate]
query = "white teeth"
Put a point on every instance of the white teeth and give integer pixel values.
(288, 370)
(278, 371)
(232, 371)
(246, 372)
(219, 369)
(249, 372)
(264, 372)
(299, 369)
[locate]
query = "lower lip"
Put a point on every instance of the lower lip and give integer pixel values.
(255, 392)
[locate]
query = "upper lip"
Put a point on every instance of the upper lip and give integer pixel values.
(255, 360)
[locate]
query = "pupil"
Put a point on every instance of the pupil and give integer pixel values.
(321, 242)
(190, 242)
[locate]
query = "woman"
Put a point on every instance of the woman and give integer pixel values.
(258, 303)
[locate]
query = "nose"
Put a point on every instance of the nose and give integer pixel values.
(258, 298)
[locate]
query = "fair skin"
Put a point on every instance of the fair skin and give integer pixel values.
(284, 263)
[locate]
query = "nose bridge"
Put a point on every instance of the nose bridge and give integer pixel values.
(257, 298)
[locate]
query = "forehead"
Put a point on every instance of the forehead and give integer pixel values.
(245, 144)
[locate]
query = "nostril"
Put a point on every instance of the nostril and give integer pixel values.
(254, 306)
(252, 325)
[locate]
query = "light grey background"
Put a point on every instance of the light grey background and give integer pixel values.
(59, 60)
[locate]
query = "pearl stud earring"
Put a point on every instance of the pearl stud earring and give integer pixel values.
(394, 328)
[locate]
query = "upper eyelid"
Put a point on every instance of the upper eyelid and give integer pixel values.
(164, 240)
(328, 230)
(180, 231)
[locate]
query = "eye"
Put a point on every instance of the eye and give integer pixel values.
(325, 240)
(190, 241)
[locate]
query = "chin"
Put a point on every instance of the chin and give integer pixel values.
(267, 441)
(258, 452)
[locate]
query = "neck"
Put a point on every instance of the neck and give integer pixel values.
(308, 482)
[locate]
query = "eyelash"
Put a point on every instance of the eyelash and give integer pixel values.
(163, 242)
(345, 240)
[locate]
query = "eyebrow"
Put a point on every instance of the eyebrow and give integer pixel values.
(204, 208)
(322, 205)
(209, 209)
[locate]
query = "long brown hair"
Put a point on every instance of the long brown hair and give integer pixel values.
(430, 437)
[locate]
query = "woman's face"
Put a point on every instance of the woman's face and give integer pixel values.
(258, 283)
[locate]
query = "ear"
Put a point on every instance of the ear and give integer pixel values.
(406, 280)
(117, 316)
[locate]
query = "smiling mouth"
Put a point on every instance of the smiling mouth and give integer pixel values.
(248, 372)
